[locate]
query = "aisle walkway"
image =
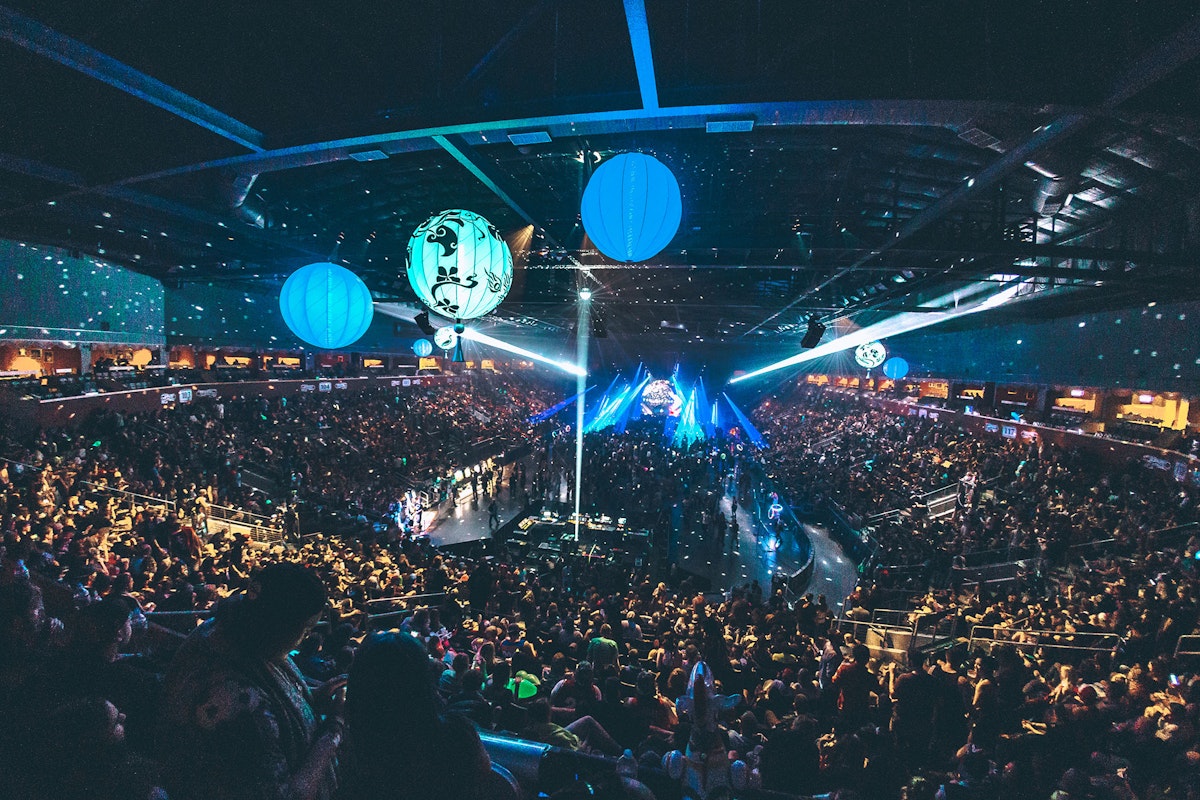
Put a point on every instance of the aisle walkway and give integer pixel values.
(756, 556)
(834, 574)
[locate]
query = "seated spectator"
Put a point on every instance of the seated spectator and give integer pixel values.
(602, 652)
(78, 751)
(470, 702)
(238, 720)
(89, 666)
(577, 691)
(583, 734)
(451, 680)
(401, 743)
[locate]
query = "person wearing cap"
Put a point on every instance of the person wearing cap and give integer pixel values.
(238, 720)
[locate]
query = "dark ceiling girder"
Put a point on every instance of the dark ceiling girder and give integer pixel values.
(905, 113)
(824, 258)
(1154, 65)
(38, 38)
(125, 194)
(505, 43)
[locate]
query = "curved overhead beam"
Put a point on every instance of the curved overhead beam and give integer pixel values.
(922, 113)
(950, 114)
(45, 41)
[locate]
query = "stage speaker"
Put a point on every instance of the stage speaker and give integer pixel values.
(813, 337)
(422, 321)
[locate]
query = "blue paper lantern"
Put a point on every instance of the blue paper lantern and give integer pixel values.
(631, 207)
(895, 368)
(422, 347)
(326, 305)
(459, 265)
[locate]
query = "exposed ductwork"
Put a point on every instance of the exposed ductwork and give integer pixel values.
(1059, 178)
(1052, 194)
(250, 209)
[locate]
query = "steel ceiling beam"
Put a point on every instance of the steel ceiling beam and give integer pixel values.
(49, 43)
(151, 202)
(905, 113)
(948, 114)
(643, 55)
(505, 43)
(1152, 67)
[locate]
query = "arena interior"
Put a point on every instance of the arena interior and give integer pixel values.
(616, 399)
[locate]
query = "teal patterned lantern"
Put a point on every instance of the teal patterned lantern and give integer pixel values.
(458, 265)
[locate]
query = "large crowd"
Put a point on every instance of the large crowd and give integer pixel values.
(297, 689)
(1015, 495)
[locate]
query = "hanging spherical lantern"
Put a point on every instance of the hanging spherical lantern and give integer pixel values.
(631, 207)
(458, 265)
(445, 338)
(870, 354)
(422, 347)
(326, 305)
(895, 368)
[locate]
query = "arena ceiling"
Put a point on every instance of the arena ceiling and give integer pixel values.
(883, 154)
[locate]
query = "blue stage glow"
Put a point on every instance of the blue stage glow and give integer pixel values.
(746, 425)
(326, 305)
(613, 410)
(631, 207)
(557, 407)
(423, 348)
(632, 409)
(688, 430)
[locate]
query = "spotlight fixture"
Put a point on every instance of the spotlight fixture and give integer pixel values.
(813, 337)
(585, 293)
(422, 321)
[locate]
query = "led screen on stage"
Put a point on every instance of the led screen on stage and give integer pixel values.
(660, 400)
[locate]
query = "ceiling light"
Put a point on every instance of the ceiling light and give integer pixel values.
(531, 137)
(369, 155)
(729, 126)
(585, 293)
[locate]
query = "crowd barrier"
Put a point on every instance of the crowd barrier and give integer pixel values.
(260, 529)
(1187, 647)
(395, 616)
(892, 634)
(987, 637)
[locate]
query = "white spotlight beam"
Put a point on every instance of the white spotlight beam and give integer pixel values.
(581, 359)
(903, 322)
(470, 334)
